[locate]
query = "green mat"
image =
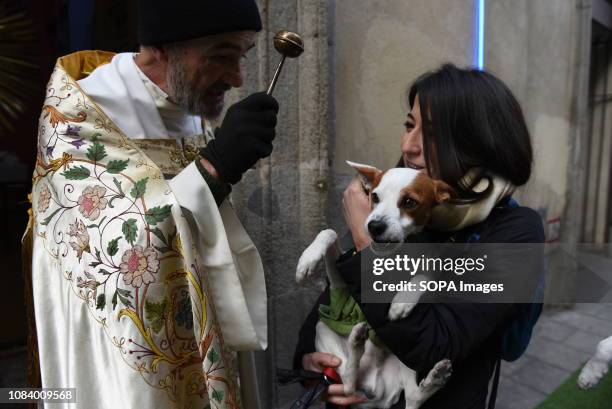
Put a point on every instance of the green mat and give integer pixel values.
(570, 396)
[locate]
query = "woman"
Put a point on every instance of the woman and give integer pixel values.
(460, 120)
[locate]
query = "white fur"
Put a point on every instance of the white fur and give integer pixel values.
(404, 302)
(597, 366)
(365, 368)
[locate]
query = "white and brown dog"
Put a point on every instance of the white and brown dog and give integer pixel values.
(401, 200)
(597, 366)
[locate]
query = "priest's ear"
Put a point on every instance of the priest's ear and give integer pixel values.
(367, 174)
(153, 61)
(158, 53)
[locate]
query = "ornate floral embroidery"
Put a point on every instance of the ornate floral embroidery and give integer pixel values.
(79, 232)
(44, 197)
(56, 117)
(139, 266)
(92, 201)
(174, 343)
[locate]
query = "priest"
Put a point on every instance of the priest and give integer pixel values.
(145, 283)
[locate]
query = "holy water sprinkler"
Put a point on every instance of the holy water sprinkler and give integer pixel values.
(288, 44)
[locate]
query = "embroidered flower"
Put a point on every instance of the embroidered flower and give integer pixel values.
(78, 143)
(91, 284)
(73, 130)
(139, 266)
(92, 201)
(44, 196)
(79, 231)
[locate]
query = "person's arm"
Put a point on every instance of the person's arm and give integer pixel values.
(219, 189)
(433, 332)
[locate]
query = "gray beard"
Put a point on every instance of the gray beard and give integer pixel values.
(182, 90)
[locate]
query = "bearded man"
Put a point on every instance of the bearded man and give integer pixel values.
(144, 281)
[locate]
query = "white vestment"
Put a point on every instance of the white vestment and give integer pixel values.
(78, 347)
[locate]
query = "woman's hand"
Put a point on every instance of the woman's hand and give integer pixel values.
(356, 207)
(316, 362)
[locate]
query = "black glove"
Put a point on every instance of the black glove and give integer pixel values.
(245, 136)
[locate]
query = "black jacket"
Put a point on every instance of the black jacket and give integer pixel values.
(467, 334)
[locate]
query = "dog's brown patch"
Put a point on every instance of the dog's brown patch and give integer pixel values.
(375, 182)
(423, 190)
(377, 178)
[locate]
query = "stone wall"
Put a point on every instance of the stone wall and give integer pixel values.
(282, 202)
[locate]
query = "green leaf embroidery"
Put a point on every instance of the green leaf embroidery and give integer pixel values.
(77, 173)
(103, 271)
(125, 293)
(158, 233)
(217, 395)
(155, 313)
(213, 356)
(96, 152)
(113, 247)
(129, 230)
(157, 214)
(123, 296)
(101, 302)
(110, 202)
(118, 184)
(139, 188)
(114, 300)
(48, 219)
(117, 166)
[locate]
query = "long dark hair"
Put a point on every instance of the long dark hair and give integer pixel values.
(471, 120)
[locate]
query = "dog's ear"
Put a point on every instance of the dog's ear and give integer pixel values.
(442, 191)
(367, 174)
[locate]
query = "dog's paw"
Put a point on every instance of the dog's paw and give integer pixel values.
(438, 376)
(313, 254)
(399, 310)
(358, 335)
(308, 261)
(592, 373)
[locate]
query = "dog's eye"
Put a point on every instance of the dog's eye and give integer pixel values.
(375, 198)
(409, 203)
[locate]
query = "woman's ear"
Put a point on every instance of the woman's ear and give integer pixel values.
(443, 192)
(367, 174)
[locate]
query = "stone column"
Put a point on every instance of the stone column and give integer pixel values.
(282, 201)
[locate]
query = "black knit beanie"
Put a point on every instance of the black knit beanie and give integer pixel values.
(169, 21)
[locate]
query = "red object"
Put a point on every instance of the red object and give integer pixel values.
(333, 375)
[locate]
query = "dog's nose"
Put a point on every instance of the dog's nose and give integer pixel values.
(376, 228)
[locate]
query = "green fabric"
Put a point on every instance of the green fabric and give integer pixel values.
(343, 313)
(570, 396)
